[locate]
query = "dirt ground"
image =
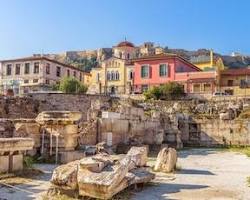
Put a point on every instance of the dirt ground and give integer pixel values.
(204, 174)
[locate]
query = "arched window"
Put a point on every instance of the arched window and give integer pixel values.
(117, 75)
(120, 54)
(128, 56)
(130, 75)
(108, 76)
(112, 75)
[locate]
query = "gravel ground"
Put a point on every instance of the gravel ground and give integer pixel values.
(205, 174)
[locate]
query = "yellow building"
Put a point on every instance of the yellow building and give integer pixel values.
(86, 78)
(208, 63)
(235, 81)
(114, 76)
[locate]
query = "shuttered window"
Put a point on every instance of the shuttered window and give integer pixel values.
(144, 71)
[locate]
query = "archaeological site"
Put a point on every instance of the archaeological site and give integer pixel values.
(103, 147)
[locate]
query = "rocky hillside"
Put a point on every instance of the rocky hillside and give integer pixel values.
(87, 59)
(229, 61)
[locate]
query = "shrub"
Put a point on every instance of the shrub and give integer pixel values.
(167, 91)
(72, 85)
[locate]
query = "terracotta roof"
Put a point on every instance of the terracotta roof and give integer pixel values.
(236, 72)
(164, 56)
(125, 44)
(34, 58)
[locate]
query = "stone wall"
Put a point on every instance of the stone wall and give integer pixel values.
(32, 105)
(213, 132)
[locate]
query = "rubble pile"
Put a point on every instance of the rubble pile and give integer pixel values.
(103, 175)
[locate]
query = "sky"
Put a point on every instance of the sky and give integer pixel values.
(54, 26)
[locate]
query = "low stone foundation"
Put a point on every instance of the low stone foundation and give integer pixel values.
(11, 153)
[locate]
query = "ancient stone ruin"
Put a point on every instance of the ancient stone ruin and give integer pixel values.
(166, 160)
(103, 175)
(11, 153)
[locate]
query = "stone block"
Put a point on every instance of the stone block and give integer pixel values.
(4, 164)
(69, 156)
(17, 163)
(110, 115)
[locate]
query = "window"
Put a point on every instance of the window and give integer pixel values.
(68, 72)
(18, 67)
(47, 68)
(207, 87)
(117, 75)
(145, 71)
(74, 73)
(35, 80)
(36, 68)
(163, 70)
(47, 81)
(8, 70)
(26, 81)
(112, 75)
(108, 76)
(230, 83)
(98, 77)
(58, 71)
(27, 68)
(128, 56)
(130, 76)
(197, 88)
(144, 88)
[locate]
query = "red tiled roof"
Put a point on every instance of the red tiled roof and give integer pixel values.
(34, 58)
(236, 72)
(125, 44)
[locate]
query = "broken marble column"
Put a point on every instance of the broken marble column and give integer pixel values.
(103, 175)
(166, 160)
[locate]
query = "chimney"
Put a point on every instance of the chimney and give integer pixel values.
(211, 57)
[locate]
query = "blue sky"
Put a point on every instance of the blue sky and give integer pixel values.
(52, 26)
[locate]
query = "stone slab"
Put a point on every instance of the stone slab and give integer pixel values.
(4, 164)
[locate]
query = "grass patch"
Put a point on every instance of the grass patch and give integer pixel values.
(22, 177)
(243, 150)
(178, 167)
(248, 181)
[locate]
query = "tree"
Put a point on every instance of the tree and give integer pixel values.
(72, 85)
(167, 91)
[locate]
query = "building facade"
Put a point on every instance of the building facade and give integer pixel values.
(235, 81)
(208, 62)
(114, 76)
(160, 69)
(33, 74)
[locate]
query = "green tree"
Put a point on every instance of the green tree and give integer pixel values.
(170, 90)
(72, 85)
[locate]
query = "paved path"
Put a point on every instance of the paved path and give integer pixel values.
(205, 174)
(33, 188)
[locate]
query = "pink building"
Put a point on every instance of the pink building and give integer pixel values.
(159, 69)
